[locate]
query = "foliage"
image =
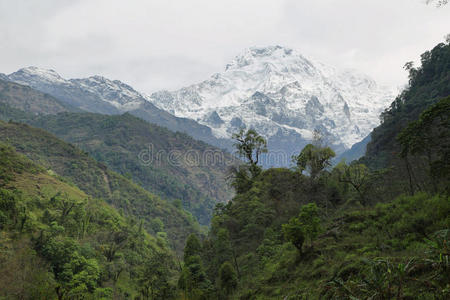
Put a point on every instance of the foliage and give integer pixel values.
(250, 145)
(96, 180)
(429, 137)
(58, 242)
(227, 279)
(313, 159)
(171, 165)
(193, 279)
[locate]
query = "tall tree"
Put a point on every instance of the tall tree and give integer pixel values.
(250, 145)
(314, 159)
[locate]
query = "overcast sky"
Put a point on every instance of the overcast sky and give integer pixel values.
(166, 44)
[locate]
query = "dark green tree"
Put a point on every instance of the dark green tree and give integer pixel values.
(193, 279)
(306, 226)
(227, 279)
(250, 145)
(314, 159)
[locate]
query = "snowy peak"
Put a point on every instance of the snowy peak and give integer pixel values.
(113, 92)
(28, 74)
(278, 91)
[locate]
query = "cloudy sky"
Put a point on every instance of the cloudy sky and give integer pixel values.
(166, 44)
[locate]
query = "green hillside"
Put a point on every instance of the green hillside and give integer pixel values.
(428, 83)
(57, 242)
(171, 165)
(96, 180)
(181, 168)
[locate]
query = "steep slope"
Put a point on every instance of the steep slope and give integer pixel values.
(199, 185)
(100, 95)
(96, 180)
(355, 152)
(428, 84)
(56, 240)
(285, 97)
(26, 99)
(172, 165)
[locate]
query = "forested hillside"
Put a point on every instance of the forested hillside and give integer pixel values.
(428, 83)
(57, 242)
(177, 167)
(172, 165)
(355, 231)
(96, 180)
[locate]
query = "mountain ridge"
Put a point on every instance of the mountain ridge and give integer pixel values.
(275, 90)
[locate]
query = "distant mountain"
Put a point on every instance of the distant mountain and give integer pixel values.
(355, 152)
(100, 95)
(276, 90)
(285, 97)
(27, 99)
(180, 169)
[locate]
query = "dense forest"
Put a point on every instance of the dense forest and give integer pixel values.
(86, 221)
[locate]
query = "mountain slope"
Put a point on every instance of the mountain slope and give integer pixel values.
(96, 180)
(26, 99)
(198, 186)
(100, 95)
(172, 165)
(428, 84)
(55, 238)
(285, 97)
(277, 91)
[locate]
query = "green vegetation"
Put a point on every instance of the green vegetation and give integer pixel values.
(170, 165)
(95, 179)
(378, 228)
(56, 242)
(428, 84)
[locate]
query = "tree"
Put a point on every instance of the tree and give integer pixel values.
(154, 277)
(314, 159)
(75, 274)
(359, 177)
(193, 279)
(293, 232)
(428, 139)
(227, 279)
(305, 226)
(193, 246)
(250, 145)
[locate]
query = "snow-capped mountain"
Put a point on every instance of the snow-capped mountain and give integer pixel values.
(275, 90)
(100, 95)
(283, 95)
(96, 93)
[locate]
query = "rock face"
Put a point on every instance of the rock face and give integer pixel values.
(275, 90)
(285, 97)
